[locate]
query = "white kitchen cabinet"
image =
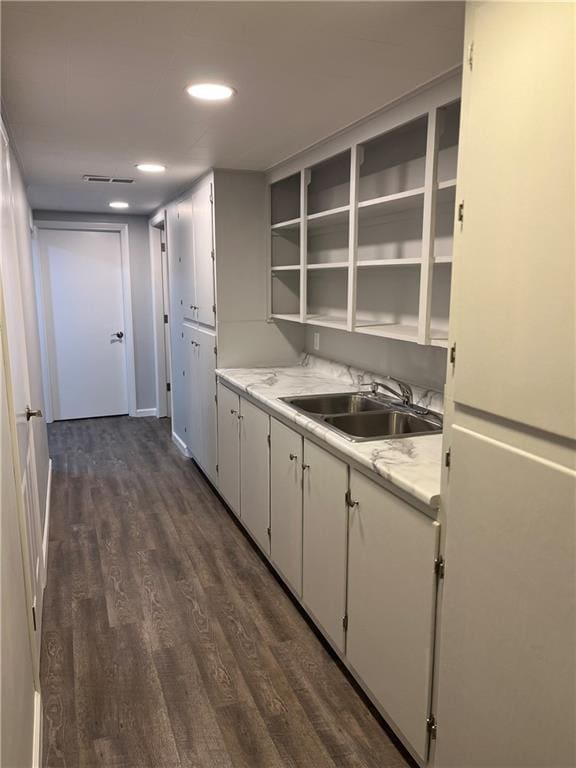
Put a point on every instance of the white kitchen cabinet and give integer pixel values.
(201, 202)
(391, 605)
(229, 447)
(201, 389)
(325, 526)
(255, 472)
(286, 448)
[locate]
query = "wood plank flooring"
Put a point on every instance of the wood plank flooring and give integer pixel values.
(167, 642)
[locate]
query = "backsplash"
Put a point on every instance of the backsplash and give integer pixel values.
(416, 363)
(427, 398)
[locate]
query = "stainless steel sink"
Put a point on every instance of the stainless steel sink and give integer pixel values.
(383, 424)
(333, 404)
(360, 416)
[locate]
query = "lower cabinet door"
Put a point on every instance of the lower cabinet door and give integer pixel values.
(391, 604)
(229, 447)
(255, 472)
(286, 503)
(325, 524)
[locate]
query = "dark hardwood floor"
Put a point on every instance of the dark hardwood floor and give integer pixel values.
(166, 640)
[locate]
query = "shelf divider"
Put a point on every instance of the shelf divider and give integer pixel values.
(428, 226)
(305, 177)
(356, 157)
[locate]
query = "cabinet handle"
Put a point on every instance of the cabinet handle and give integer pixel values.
(305, 466)
(233, 412)
(240, 417)
(293, 457)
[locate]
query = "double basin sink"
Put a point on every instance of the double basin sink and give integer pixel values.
(360, 416)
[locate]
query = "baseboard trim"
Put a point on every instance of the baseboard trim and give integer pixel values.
(181, 445)
(37, 737)
(146, 412)
(46, 532)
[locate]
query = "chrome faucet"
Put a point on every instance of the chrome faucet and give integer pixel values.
(405, 394)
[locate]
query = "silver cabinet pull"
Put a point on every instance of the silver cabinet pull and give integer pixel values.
(118, 334)
(305, 466)
(29, 413)
(293, 457)
(233, 412)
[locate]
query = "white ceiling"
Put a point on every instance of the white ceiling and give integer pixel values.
(95, 87)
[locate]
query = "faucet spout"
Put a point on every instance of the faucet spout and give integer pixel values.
(405, 394)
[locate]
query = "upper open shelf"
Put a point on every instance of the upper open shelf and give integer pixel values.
(363, 240)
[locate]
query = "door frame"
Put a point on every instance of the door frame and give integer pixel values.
(87, 226)
(161, 374)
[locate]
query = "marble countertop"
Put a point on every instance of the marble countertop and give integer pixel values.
(413, 464)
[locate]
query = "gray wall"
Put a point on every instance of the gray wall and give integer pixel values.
(425, 366)
(141, 280)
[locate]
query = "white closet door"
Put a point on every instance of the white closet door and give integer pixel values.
(203, 262)
(514, 275)
(506, 694)
(83, 299)
(206, 388)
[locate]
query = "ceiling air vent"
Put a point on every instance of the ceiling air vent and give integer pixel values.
(106, 179)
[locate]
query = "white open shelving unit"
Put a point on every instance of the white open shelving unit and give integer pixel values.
(362, 240)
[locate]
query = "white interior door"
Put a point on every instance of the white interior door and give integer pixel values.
(15, 361)
(85, 326)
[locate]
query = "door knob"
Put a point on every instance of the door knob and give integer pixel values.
(118, 334)
(29, 413)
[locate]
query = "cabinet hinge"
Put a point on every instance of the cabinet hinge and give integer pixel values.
(168, 387)
(432, 727)
(34, 617)
(215, 350)
(216, 399)
(163, 247)
(470, 57)
(268, 440)
(461, 212)
(269, 532)
(349, 500)
(166, 319)
(217, 469)
(439, 567)
(345, 623)
(448, 458)
(211, 194)
(214, 308)
(212, 254)
(453, 354)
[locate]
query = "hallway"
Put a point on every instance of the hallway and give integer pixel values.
(166, 640)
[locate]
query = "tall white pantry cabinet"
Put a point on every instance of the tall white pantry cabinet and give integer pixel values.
(506, 670)
(218, 305)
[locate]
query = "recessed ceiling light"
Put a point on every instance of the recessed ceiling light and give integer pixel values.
(151, 167)
(210, 91)
(118, 204)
